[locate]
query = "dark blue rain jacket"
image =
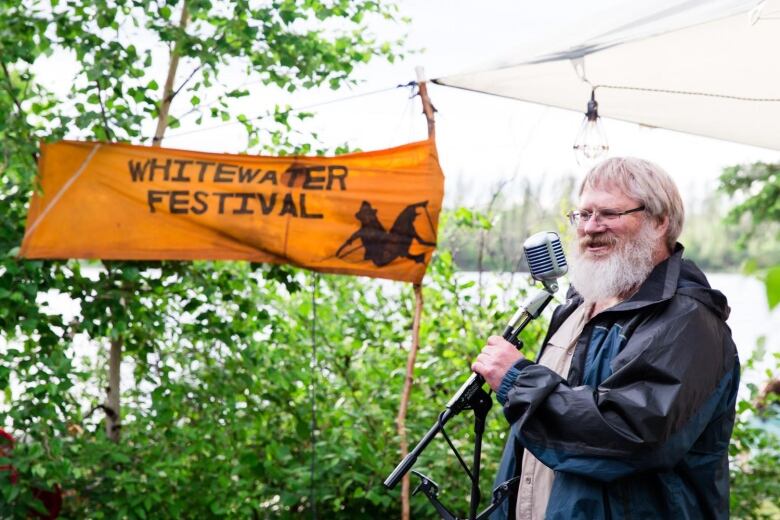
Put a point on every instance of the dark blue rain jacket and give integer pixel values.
(640, 428)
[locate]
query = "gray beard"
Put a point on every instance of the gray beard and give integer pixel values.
(618, 274)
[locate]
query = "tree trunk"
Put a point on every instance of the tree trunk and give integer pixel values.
(113, 416)
(167, 97)
(113, 413)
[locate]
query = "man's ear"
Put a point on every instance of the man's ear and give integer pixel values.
(662, 225)
(662, 228)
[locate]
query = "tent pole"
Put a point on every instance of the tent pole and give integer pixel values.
(401, 420)
(428, 108)
(428, 111)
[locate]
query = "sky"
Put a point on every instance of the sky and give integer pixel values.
(482, 140)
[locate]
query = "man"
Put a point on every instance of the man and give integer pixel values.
(628, 411)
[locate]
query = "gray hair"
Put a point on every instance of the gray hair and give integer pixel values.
(646, 182)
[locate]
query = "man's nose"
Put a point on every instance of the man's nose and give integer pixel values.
(592, 225)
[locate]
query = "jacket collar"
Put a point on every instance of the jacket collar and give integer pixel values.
(660, 285)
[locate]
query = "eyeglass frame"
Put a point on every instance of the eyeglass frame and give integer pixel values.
(576, 216)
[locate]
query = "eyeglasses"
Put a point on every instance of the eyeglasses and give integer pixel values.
(577, 218)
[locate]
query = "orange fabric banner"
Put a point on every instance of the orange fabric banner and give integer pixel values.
(373, 214)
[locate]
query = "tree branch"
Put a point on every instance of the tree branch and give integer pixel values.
(10, 89)
(184, 83)
(109, 135)
(109, 412)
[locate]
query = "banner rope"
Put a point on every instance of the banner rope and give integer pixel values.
(59, 194)
(686, 93)
(628, 87)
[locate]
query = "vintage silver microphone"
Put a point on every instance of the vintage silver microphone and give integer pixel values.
(546, 262)
(544, 254)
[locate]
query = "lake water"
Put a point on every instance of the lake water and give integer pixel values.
(750, 320)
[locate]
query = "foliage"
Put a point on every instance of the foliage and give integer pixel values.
(117, 44)
(755, 451)
(718, 244)
(758, 185)
(217, 414)
(218, 421)
(121, 49)
(755, 448)
(757, 190)
(490, 237)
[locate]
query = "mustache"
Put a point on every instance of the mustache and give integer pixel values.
(604, 238)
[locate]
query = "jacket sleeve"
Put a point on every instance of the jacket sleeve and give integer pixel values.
(677, 373)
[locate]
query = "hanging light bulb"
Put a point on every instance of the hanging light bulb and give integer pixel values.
(591, 142)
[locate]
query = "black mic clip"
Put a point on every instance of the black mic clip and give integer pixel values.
(431, 490)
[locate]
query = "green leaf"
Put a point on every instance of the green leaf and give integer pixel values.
(39, 471)
(772, 283)
(750, 266)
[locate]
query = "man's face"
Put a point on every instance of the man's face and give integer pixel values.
(612, 256)
(600, 237)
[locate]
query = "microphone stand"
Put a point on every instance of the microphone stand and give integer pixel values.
(471, 396)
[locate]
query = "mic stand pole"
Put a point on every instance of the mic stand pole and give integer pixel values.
(481, 403)
(471, 396)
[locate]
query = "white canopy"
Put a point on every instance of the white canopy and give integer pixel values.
(705, 67)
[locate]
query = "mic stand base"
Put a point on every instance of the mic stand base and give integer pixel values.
(431, 491)
(480, 403)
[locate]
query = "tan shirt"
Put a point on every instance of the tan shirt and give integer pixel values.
(536, 479)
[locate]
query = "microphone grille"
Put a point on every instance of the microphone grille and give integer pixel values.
(545, 257)
(558, 252)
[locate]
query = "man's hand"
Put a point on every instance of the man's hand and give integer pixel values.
(495, 360)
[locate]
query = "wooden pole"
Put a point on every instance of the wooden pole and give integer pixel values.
(408, 381)
(428, 110)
